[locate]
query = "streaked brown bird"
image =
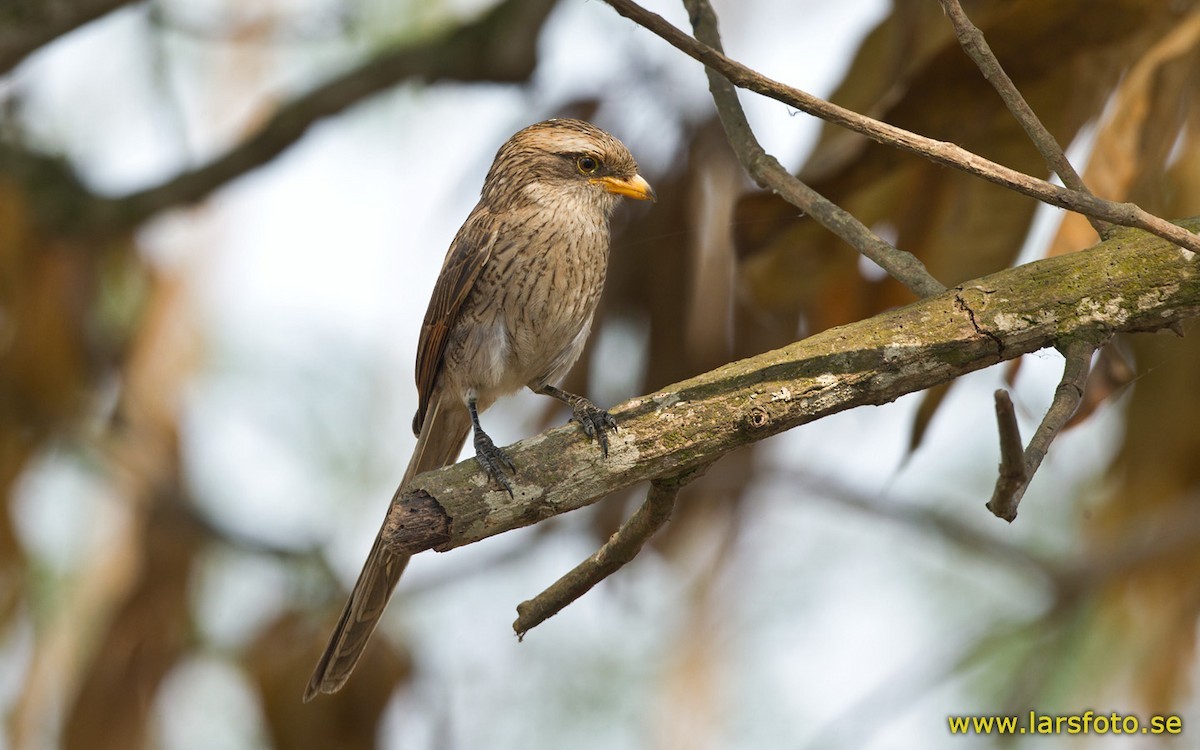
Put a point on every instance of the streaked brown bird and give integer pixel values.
(511, 308)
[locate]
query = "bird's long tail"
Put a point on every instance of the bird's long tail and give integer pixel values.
(442, 436)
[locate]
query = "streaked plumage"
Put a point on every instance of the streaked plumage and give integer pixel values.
(512, 308)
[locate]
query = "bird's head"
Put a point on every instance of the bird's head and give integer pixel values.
(560, 160)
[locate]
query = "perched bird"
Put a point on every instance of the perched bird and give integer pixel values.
(511, 308)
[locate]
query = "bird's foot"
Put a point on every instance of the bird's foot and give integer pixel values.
(493, 460)
(595, 422)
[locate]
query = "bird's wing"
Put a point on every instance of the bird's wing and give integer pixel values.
(466, 259)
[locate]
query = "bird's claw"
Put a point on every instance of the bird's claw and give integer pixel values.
(494, 461)
(595, 423)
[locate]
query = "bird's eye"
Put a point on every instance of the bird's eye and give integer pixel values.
(587, 164)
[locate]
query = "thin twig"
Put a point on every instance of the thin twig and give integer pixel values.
(771, 175)
(1066, 400)
(940, 152)
(620, 548)
(1012, 449)
(1009, 488)
(975, 45)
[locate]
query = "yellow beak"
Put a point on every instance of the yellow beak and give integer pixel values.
(635, 187)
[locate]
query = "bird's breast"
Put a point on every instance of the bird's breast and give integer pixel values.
(528, 317)
(552, 288)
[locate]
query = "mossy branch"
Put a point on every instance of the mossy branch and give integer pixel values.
(1131, 282)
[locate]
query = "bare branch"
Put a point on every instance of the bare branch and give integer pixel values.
(976, 47)
(501, 46)
(620, 548)
(1132, 282)
(1011, 485)
(771, 175)
(1012, 477)
(946, 154)
(27, 25)
(1066, 400)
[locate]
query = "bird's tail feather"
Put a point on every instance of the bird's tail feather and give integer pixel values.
(441, 439)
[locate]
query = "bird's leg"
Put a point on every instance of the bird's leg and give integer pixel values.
(492, 459)
(594, 421)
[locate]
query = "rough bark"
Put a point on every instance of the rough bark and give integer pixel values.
(1132, 282)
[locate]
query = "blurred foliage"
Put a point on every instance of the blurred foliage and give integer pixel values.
(713, 273)
(1131, 70)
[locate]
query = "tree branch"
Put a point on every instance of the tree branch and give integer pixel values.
(939, 152)
(28, 25)
(1132, 282)
(620, 548)
(975, 45)
(1018, 467)
(771, 175)
(501, 46)
(1013, 477)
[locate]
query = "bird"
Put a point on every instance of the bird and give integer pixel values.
(511, 308)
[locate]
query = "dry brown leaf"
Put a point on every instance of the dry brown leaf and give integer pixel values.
(1153, 610)
(1182, 180)
(44, 358)
(688, 713)
(931, 401)
(1146, 151)
(1111, 374)
(1142, 125)
(1065, 58)
(1011, 371)
(280, 661)
(149, 634)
